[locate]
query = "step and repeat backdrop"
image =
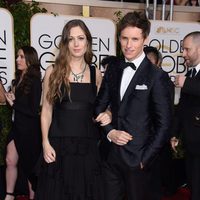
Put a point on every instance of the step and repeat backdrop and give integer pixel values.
(7, 50)
(46, 31)
(167, 37)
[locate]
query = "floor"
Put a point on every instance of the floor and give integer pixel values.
(182, 194)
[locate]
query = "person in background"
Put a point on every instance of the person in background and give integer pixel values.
(24, 140)
(187, 2)
(167, 168)
(5, 125)
(192, 3)
(2, 102)
(139, 98)
(71, 167)
(154, 55)
(188, 112)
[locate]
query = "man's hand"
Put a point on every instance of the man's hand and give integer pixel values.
(174, 143)
(179, 81)
(119, 137)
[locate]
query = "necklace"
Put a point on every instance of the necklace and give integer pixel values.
(79, 77)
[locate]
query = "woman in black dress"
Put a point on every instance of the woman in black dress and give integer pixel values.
(71, 167)
(24, 140)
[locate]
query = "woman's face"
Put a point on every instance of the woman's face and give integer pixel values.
(77, 42)
(21, 61)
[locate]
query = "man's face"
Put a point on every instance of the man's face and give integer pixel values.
(191, 52)
(132, 42)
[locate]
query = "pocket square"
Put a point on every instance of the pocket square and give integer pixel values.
(141, 87)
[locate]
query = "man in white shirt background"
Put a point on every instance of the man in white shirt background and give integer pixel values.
(187, 121)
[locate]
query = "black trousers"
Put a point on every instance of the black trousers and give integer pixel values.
(123, 182)
(193, 174)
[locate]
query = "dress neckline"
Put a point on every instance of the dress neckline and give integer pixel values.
(78, 83)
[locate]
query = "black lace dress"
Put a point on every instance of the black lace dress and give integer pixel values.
(76, 174)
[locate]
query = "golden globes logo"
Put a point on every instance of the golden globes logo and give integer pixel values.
(167, 30)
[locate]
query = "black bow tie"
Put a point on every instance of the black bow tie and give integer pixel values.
(129, 64)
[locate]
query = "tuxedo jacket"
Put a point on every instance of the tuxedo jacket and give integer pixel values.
(187, 119)
(145, 111)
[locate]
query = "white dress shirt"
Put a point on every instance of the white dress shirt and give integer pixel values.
(192, 68)
(128, 74)
(197, 68)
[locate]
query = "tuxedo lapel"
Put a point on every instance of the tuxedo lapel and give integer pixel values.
(188, 74)
(120, 80)
(138, 78)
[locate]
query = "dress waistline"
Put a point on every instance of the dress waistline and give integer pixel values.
(74, 106)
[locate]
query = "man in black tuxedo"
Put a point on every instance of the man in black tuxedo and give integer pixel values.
(188, 111)
(138, 94)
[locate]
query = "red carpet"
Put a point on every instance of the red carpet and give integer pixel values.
(182, 194)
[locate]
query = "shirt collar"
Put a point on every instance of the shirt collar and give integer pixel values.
(198, 67)
(138, 60)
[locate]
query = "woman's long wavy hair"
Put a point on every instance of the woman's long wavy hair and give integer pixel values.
(61, 70)
(33, 70)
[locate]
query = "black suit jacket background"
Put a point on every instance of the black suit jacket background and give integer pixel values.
(187, 119)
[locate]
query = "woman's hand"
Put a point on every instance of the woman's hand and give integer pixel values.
(10, 97)
(49, 153)
(104, 118)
